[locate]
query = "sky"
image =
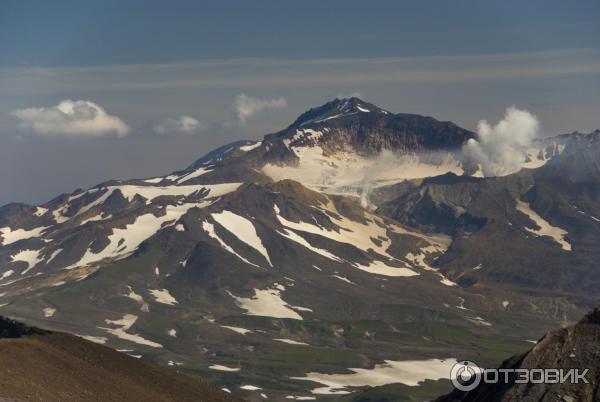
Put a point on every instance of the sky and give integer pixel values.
(96, 90)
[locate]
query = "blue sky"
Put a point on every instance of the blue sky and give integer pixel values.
(147, 63)
(106, 32)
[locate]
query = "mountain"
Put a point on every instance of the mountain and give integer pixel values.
(40, 365)
(339, 253)
(575, 347)
(335, 148)
(546, 216)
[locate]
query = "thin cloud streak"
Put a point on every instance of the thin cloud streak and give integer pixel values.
(249, 73)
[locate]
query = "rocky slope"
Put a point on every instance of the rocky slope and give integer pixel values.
(38, 365)
(353, 237)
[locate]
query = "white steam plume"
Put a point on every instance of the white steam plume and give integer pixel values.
(385, 161)
(501, 149)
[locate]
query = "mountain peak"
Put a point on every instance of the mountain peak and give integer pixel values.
(337, 108)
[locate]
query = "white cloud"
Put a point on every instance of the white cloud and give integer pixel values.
(247, 106)
(181, 125)
(70, 119)
(501, 149)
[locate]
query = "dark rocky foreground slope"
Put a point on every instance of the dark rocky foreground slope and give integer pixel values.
(576, 347)
(39, 365)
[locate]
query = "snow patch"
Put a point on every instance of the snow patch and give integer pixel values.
(250, 147)
(31, 257)
(303, 242)
(479, 321)
(545, 228)
(239, 330)
(266, 303)
(40, 211)
(419, 260)
(410, 372)
(343, 278)
(163, 296)
(209, 228)
(154, 180)
(53, 255)
(144, 307)
(49, 312)
(196, 173)
(96, 339)
(223, 368)
(250, 388)
(380, 268)
(95, 218)
(123, 325)
(6, 274)
(243, 229)
(290, 341)
(10, 236)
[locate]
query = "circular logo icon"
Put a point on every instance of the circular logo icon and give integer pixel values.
(465, 375)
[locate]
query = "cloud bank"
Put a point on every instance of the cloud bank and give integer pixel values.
(247, 106)
(70, 119)
(182, 125)
(501, 149)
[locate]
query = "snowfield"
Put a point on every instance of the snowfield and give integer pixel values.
(348, 173)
